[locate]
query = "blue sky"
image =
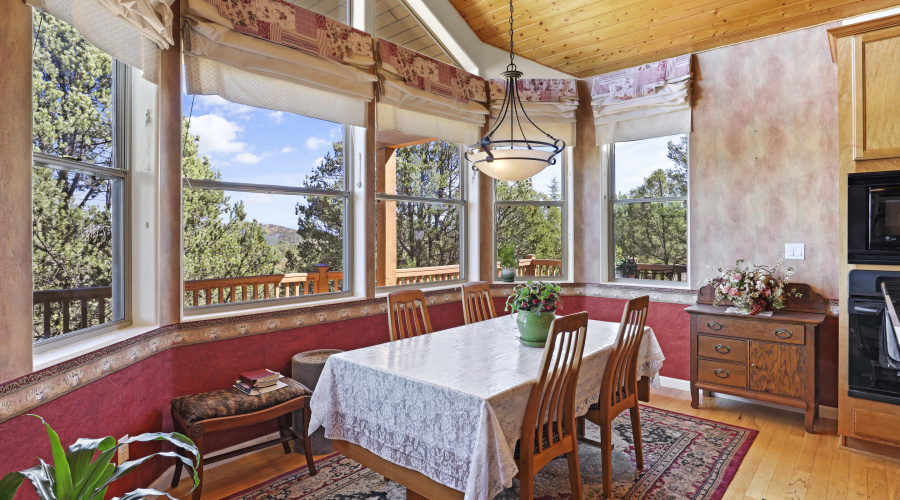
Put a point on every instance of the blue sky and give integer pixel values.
(260, 146)
(637, 159)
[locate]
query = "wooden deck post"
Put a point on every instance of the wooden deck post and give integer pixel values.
(322, 278)
(15, 189)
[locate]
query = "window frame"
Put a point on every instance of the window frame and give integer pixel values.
(611, 220)
(347, 216)
(462, 205)
(121, 223)
(562, 203)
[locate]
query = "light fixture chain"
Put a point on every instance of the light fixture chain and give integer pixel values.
(512, 55)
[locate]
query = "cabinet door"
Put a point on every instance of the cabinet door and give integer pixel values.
(777, 369)
(876, 70)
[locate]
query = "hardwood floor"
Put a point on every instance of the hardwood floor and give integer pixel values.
(784, 461)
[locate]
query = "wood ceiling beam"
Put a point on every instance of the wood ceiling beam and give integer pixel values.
(607, 63)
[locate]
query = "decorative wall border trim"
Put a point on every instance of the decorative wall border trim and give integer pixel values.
(26, 393)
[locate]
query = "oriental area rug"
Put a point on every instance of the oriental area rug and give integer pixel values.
(685, 458)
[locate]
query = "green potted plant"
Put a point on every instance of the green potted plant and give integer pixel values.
(626, 267)
(534, 302)
(76, 475)
(509, 264)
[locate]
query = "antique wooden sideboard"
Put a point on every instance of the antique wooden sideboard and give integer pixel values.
(766, 358)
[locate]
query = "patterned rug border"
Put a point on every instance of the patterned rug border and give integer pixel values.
(736, 457)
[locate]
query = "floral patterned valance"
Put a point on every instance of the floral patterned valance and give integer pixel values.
(538, 90)
(641, 80)
(427, 74)
(289, 25)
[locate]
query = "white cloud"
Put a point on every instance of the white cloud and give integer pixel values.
(248, 158)
(287, 149)
(217, 134)
(277, 116)
(318, 161)
(211, 102)
(334, 133)
(316, 143)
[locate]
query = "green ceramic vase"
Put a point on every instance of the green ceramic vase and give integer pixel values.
(534, 328)
(508, 275)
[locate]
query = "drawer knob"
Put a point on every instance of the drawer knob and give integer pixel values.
(752, 366)
(714, 325)
(783, 334)
(719, 372)
(724, 349)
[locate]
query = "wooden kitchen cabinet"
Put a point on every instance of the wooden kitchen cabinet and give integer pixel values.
(767, 358)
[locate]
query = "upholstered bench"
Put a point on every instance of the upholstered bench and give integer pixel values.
(198, 414)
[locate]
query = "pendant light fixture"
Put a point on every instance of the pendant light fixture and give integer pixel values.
(517, 157)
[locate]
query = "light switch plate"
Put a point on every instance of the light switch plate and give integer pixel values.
(794, 251)
(122, 452)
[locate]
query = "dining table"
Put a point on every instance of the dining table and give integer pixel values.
(441, 413)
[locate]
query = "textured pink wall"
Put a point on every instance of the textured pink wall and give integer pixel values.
(764, 156)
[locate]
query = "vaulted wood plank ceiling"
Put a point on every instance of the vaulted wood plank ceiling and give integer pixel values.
(591, 37)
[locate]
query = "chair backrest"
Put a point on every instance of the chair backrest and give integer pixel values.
(552, 402)
(478, 305)
(407, 314)
(620, 378)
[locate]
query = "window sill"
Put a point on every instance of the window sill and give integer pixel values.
(679, 285)
(65, 353)
(437, 286)
(211, 313)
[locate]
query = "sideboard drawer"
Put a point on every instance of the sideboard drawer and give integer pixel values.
(716, 372)
(751, 329)
(876, 424)
(721, 348)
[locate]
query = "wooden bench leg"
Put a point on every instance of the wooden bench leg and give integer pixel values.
(196, 435)
(285, 434)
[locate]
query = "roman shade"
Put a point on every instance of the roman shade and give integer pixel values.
(132, 31)
(427, 98)
(651, 100)
(549, 103)
(275, 55)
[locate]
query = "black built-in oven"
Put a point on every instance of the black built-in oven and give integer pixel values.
(873, 368)
(873, 218)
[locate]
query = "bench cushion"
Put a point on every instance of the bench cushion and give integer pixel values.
(231, 402)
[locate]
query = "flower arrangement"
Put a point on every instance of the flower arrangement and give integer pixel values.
(535, 297)
(754, 289)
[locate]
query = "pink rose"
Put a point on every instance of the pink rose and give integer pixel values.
(736, 277)
(733, 292)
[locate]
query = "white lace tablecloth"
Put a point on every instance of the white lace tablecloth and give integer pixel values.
(450, 404)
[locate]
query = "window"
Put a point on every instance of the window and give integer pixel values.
(420, 214)
(266, 204)
(649, 186)
(79, 184)
(531, 218)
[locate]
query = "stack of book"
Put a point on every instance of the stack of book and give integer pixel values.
(259, 382)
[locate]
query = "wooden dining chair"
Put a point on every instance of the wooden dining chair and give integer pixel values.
(548, 430)
(407, 314)
(478, 305)
(619, 389)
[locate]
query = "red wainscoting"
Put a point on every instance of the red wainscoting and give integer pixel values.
(136, 399)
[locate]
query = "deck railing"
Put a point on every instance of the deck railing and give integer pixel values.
(50, 306)
(61, 311)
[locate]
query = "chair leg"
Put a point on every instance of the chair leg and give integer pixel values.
(284, 433)
(574, 472)
(307, 442)
(606, 456)
(198, 442)
(526, 483)
(636, 430)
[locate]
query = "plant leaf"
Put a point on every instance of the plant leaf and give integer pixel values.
(97, 488)
(10, 484)
(142, 493)
(41, 477)
(63, 480)
(79, 457)
(127, 467)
